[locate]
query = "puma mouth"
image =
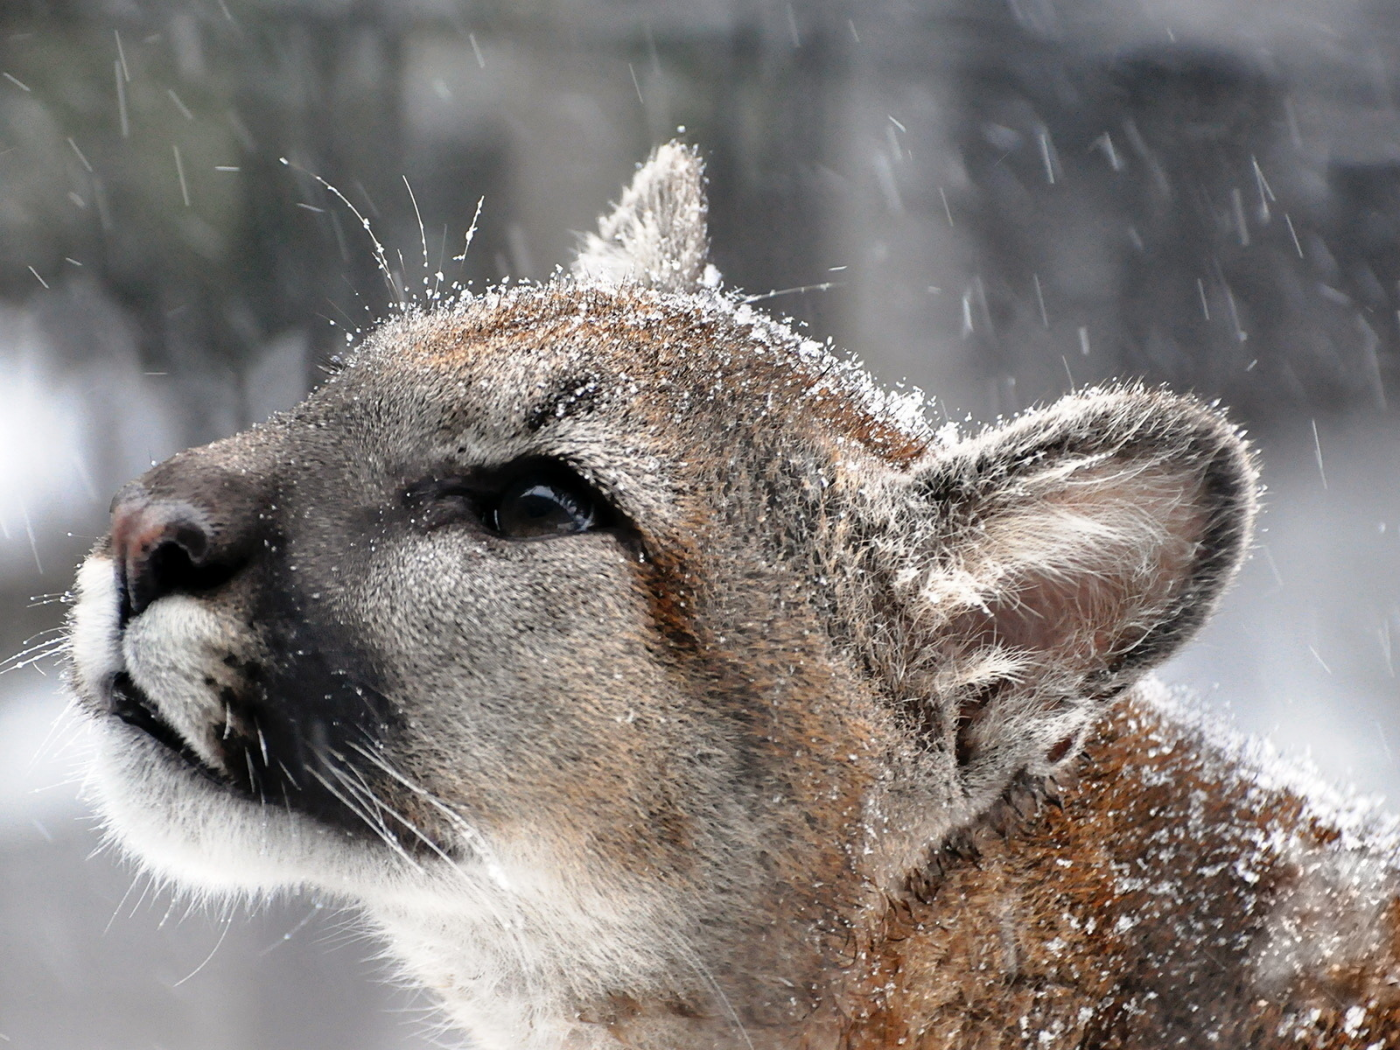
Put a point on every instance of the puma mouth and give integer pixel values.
(318, 794)
(128, 702)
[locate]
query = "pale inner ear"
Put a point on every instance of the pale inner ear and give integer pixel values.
(1057, 599)
(1084, 573)
(1037, 570)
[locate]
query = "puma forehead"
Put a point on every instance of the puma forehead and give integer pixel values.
(652, 679)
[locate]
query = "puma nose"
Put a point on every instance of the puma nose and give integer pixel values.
(161, 546)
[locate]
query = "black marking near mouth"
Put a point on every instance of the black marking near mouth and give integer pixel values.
(300, 726)
(129, 703)
(273, 754)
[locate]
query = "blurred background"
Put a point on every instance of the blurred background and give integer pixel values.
(994, 200)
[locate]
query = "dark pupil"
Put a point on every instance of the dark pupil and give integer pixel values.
(541, 509)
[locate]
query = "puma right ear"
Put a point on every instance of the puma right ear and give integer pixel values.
(656, 234)
(1035, 571)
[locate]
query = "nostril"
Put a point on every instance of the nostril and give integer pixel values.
(172, 564)
(161, 547)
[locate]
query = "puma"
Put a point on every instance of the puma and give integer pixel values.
(653, 680)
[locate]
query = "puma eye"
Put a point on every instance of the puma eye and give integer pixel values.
(536, 507)
(535, 499)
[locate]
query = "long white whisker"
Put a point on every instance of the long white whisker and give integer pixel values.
(370, 820)
(169, 910)
(35, 652)
(54, 740)
(422, 233)
(437, 274)
(300, 925)
(693, 961)
(471, 232)
(379, 255)
(136, 880)
(363, 791)
(228, 924)
(474, 837)
(424, 838)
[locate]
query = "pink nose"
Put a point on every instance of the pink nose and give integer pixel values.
(160, 547)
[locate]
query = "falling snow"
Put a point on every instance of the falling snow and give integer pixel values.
(203, 205)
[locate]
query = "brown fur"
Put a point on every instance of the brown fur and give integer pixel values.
(1132, 915)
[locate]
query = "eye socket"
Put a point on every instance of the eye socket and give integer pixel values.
(534, 507)
(529, 500)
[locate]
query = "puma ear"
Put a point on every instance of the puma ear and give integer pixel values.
(656, 234)
(1033, 572)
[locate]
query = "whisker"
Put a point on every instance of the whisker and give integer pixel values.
(801, 289)
(62, 732)
(58, 629)
(262, 743)
(422, 233)
(692, 960)
(438, 274)
(416, 831)
(362, 788)
(253, 781)
(300, 925)
(136, 880)
(288, 774)
(474, 837)
(355, 806)
(228, 924)
(370, 803)
(478, 841)
(507, 920)
(471, 232)
(35, 651)
(169, 911)
(374, 824)
(379, 255)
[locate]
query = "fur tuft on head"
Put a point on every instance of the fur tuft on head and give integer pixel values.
(656, 235)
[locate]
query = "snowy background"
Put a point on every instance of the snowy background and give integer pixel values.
(990, 199)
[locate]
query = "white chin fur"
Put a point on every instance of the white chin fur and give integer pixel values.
(505, 949)
(198, 834)
(94, 625)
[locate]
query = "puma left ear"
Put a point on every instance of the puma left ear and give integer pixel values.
(1037, 570)
(656, 234)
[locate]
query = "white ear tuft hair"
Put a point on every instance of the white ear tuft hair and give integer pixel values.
(656, 234)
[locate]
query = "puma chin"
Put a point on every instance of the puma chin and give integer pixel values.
(638, 666)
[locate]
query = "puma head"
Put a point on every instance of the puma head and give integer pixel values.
(613, 645)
